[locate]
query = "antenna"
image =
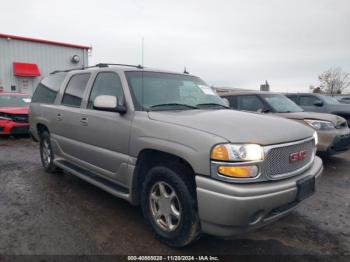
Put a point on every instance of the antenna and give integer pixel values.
(142, 51)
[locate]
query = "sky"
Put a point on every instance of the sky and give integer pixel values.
(228, 43)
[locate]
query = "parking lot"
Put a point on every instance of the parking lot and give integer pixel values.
(61, 214)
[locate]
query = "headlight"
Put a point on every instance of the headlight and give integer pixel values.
(320, 124)
(316, 138)
(236, 153)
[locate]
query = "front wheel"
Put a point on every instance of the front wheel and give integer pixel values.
(46, 153)
(169, 205)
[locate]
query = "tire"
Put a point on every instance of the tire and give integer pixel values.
(170, 191)
(46, 154)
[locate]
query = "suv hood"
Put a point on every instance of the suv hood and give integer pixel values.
(237, 126)
(14, 110)
(336, 120)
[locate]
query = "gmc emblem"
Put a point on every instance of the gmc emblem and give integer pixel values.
(297, 156)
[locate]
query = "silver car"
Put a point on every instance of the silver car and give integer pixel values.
(167, 142)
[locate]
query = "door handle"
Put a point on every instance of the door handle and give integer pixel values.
(84, 121)
(59, 117)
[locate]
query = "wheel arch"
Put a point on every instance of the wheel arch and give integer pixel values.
(148, 158)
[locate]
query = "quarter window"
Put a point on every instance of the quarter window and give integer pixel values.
(106, 83)
(48, 88)
(74, 92)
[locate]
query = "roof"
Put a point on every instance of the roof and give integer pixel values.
(42, 41)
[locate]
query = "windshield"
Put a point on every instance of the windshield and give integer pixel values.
(281, 104)
(164, 91)
(331, 100)
(14, 101)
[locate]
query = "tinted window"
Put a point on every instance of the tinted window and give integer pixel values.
(48, 88)
(106, 83)
(308, 100)
(249, 103)
(232, 100)
(293, 98)
(74, 92)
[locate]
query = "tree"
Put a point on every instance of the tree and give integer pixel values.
(334, 81)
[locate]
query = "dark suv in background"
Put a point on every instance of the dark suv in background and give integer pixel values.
(321, 103)
(332, 130)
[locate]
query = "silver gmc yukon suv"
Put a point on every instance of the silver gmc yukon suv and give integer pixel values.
(167, 142)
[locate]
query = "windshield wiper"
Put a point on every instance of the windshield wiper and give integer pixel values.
(211, 105)
(174, 105)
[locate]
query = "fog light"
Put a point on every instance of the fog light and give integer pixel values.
(238, 171)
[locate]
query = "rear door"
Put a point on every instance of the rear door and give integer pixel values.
(67, 119)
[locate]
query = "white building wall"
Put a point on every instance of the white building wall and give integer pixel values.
(48, 58)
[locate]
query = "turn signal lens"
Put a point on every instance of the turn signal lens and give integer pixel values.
(220, 152)
(240, 152)
(238, 171)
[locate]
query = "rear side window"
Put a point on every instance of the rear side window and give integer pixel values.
(73, 95)
(48, 88)
(106, 83)
(249, 103)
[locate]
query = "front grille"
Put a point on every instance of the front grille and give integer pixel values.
(20, 118)
(277, 162)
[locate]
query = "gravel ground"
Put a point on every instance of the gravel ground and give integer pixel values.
(63, 215)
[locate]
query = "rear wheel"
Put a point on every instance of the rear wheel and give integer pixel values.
(169, 205)
(46, 153)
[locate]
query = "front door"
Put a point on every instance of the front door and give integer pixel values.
(105, 134)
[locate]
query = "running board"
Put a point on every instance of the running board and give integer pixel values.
(103, 183)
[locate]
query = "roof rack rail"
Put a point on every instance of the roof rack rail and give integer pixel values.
(111, 64)
(72, 69)
(97, 65)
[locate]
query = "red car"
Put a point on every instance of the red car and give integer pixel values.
(14, 113)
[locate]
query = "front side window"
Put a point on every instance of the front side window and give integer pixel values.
(308, 100)
(106, 83)
(166, 91)
(14, 101)
(48, 88)
(249, 103)
(281, 104)
(74, 92)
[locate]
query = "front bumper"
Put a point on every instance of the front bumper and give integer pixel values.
(8, 127)
(340, 144)
(333, 141)
(227, 209)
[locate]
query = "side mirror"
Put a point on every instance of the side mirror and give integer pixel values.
(108, 103)
(227, 103)
(318, 103)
